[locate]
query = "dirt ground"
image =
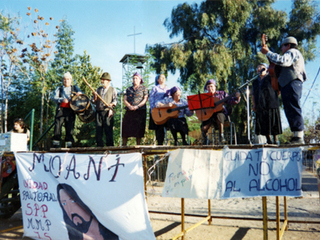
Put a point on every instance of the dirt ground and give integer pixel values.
(299, 209)
(166, 226)
(304, 209)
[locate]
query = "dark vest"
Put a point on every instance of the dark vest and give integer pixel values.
(287, 75)
(265, 97)
(107, 98)
(60, 94)
(61, 89)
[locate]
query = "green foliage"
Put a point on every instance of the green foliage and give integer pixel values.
(219, 39)
(222, 40)
(39, 76)
(64, 61)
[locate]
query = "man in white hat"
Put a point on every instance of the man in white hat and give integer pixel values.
(290, 79)
(64, 114)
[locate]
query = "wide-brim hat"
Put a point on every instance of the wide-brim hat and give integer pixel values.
(291, 40)
(106, 76)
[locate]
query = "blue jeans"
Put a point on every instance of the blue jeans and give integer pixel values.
(291, 94)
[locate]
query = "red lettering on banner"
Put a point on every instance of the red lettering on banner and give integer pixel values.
(35, 185)
(33, 210)
(46, 235)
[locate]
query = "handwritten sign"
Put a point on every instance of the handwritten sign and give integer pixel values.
(209, 174)
(193, 174)
(77, 196)
(262, 172)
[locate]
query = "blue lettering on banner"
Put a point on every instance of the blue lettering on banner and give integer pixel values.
(237, 156)
(54, 166)
(262, 168)
(273, 155)
(275, 185)
(116, 166)
(38, 196)
(231, 185)
(72, 168)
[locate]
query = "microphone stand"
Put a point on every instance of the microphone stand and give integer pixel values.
(248, 107)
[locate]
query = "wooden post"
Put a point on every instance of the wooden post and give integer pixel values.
(145, 168)
(278, 217)
(265, 218)
(182, 217)
(285, 212)
(209, 211)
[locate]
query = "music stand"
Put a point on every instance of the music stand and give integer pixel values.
(200, 101)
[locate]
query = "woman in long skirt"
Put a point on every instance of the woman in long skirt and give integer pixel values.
(134, 121)
(266, 105)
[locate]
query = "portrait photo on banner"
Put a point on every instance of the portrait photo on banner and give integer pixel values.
(80, 196)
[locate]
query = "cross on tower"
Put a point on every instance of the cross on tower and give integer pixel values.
(134, 38)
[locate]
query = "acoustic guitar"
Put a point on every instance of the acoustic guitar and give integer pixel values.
(161, 115)
(274, 70)
(206, 113)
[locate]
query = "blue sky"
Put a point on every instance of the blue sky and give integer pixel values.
(102, 28)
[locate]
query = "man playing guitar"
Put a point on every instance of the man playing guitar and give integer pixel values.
(291, 78)
(217, 118)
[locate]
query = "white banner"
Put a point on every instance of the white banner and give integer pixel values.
(209, 174)
(82, 196)
(193, 174)
(262, 172)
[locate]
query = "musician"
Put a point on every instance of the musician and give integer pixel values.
(217, 118)
(290, 79)
(157, 93)
(104, 114)
(64, 114)
(173, 97)
(134, 121)
(266, 105)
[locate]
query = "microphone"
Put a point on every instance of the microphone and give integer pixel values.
(262, 70)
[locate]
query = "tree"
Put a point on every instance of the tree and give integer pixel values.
(222, 39)
(11, 65)
(38, 56)
(64, 60)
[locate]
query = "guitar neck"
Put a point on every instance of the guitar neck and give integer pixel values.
(176, 109)
(222, 100)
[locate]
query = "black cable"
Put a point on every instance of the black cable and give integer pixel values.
(311, 87)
